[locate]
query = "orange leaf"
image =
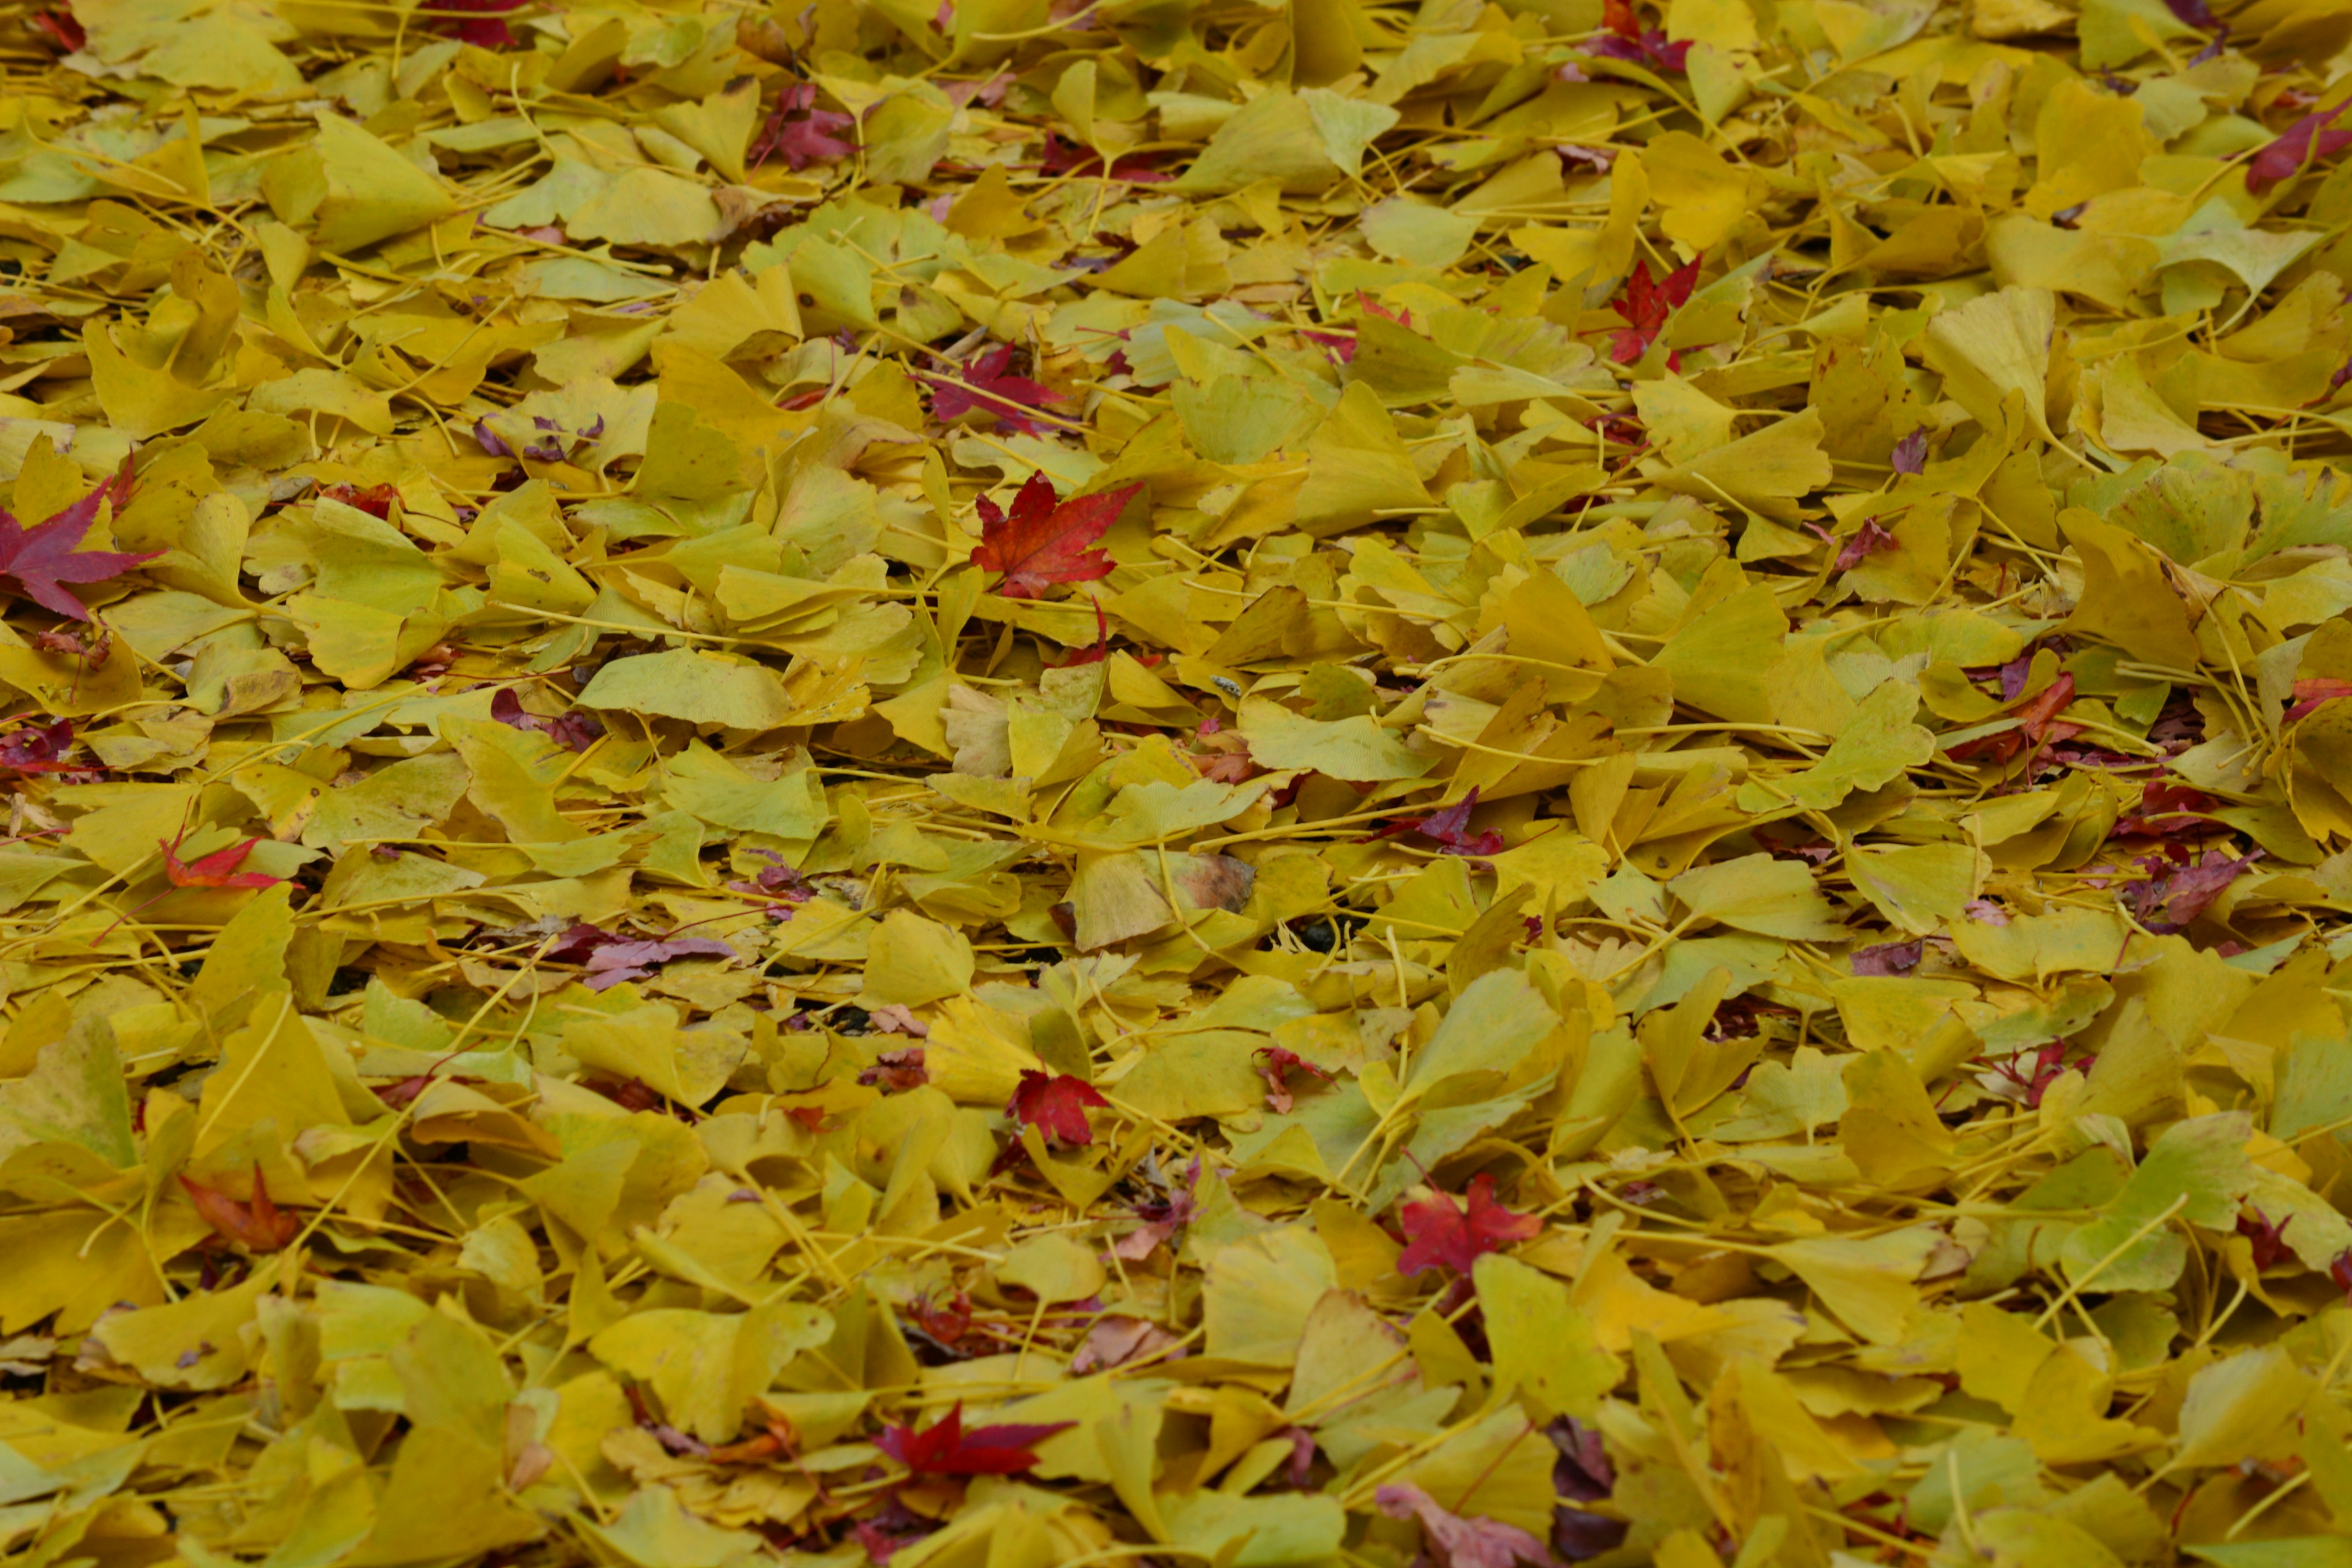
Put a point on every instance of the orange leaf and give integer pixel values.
(257, 1226)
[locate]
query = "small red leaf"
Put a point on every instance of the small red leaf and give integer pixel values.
(257, 1226)
(2267, 1239)
(2050, 1064)
(1449, 829)
(987, 387)
(217, 869)
(945, 1449)
(895, 1072)
(2313, 690)
(1438, 1234)
(38, 748)
(376, 501)
(1647, 303)
(574, 731)
(801, 133)
(2037, 720)
(2166, 811)
(41, 561)
(475, 22)
(1629, 40)
(1275, 1065)
(1095, 654)
(1459, 1541)
(612, 958)
(2169, 899)
(1067, 158)
(2306, 141)
(1056, 1104)
(2035, 713)
(1044, 540)
(1888, 958)
(61, 25)
(1867, 541)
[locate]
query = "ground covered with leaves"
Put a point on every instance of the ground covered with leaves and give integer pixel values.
(1018, 784)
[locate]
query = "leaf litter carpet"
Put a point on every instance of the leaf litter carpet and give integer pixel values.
(1018, 784)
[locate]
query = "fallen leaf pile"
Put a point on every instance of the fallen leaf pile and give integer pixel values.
(1298, 784)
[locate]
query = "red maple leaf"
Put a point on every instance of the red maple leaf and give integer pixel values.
(2037, 714)
(1438, 1233)
(2303, 143)
(376, 501)
(1449, 829)
(2169, 899)
(1888, 958)
(2166, 811)
(943, 1323)
(1910, 455)
(776, 880)
(1629, 40)
(42, 559)
(2037, 720)
(1069, 158)
(1646, 303)
(257, 1226)
(612, 958)
(574, 731)
(986, 385)
(2049, 1064)
(1460, 1542)
(1275, 1064)
(945, 1449)
(894, 1072)
(63, 29)
(1056, 1104)
(800, 132)
(39, 747)
(474, 22)
(1095, 652)
(404, 1091)
(1045, 540)
(1867, 541)
(217, 869)
(2268, 1239)
(1341, 346)
(2313, 690)
(890, 1530)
